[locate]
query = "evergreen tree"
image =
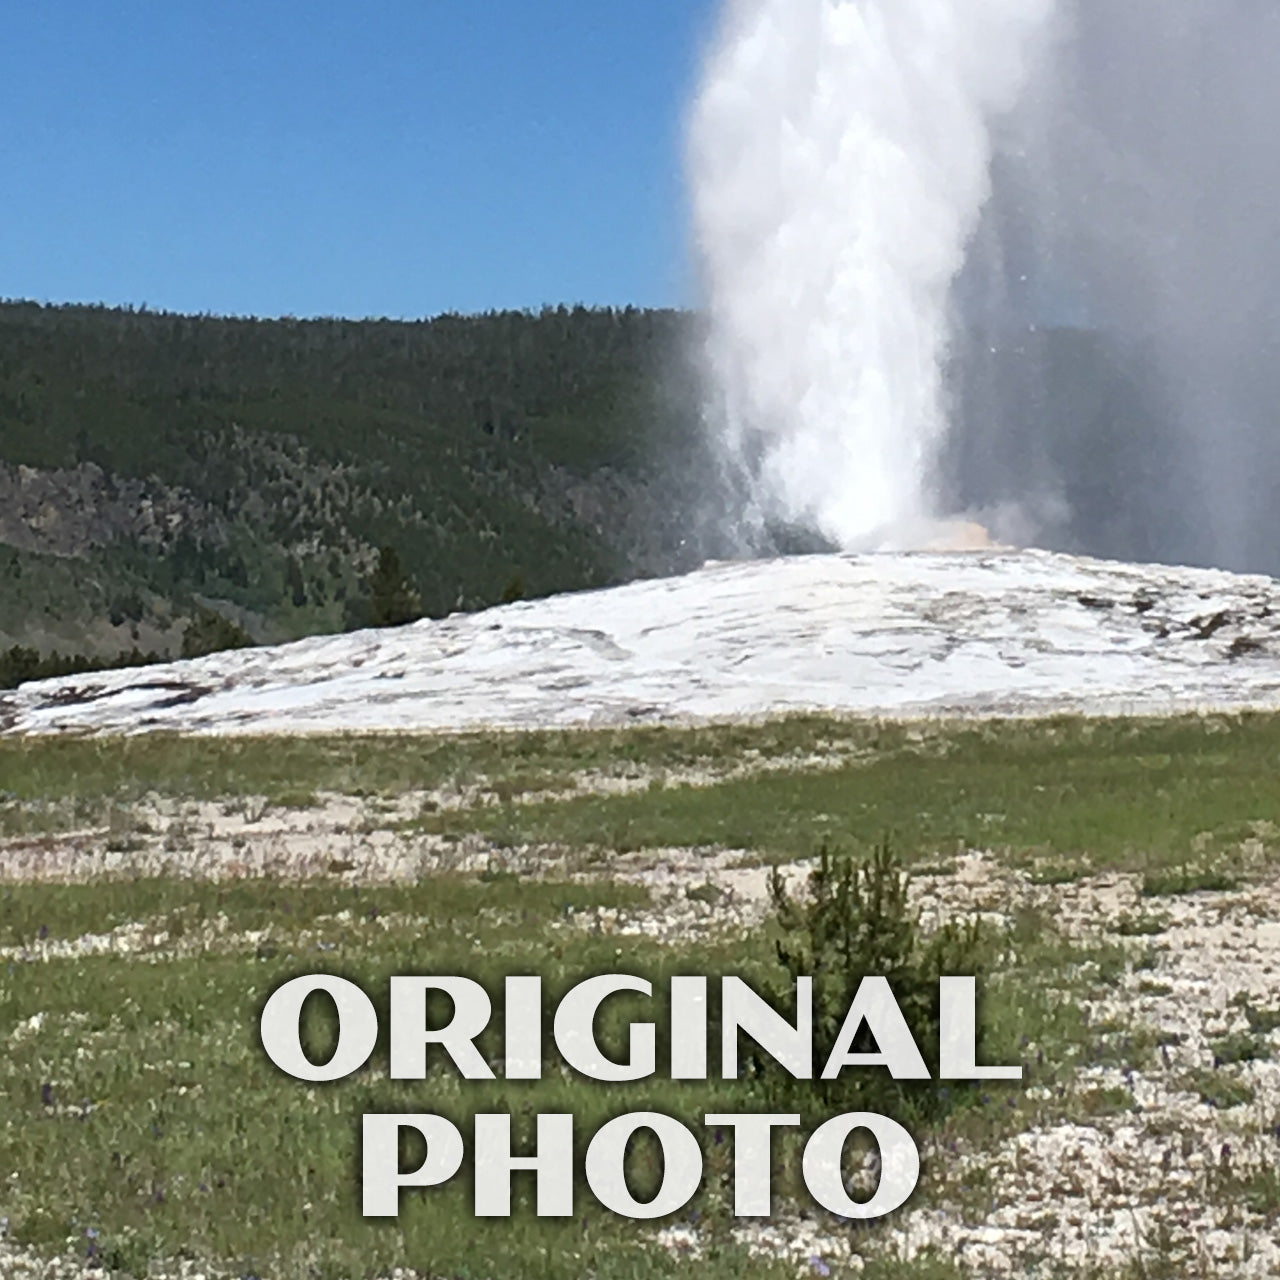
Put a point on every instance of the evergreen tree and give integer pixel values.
(393, 597)
(294, 584)
(209, 632)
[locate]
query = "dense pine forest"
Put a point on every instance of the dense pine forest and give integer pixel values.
(171, 484)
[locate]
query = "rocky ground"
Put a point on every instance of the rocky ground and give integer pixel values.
(976, 633)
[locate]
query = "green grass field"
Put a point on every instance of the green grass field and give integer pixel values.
(144, 1124)
(1130, 794)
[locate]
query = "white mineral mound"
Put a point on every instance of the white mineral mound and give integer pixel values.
(969, 633)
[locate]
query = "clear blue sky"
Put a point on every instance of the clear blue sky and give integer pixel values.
(276, 157)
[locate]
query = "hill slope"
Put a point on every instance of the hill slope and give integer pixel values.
(992, 633)
(151, 464)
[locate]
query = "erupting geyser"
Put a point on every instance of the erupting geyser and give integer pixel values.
(839, 155)
(1013, 260)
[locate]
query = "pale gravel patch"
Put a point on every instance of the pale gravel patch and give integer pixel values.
(19, 1262)
(152, 941)
(736, 895)
(633, 777)
(365, 840)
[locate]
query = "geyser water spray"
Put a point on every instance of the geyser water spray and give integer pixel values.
(839, 155)
(1118, 367)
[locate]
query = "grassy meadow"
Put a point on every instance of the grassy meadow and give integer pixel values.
(146, 1132)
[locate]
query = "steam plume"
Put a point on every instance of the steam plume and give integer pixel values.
(1121, 302)
(839, 155)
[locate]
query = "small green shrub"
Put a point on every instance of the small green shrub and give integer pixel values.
(1056, 873)
(1161, 882)
(856, 920)
(1241, 1047)
(1262, 1022)
(1221, 1090)
(1139, 926)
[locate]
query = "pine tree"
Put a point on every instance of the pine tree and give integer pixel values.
(393, 597)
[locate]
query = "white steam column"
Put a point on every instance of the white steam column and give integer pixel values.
(839, 155)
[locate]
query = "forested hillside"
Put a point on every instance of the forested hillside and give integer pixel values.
(158, 470)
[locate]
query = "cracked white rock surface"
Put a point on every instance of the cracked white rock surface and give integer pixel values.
(990, 633)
